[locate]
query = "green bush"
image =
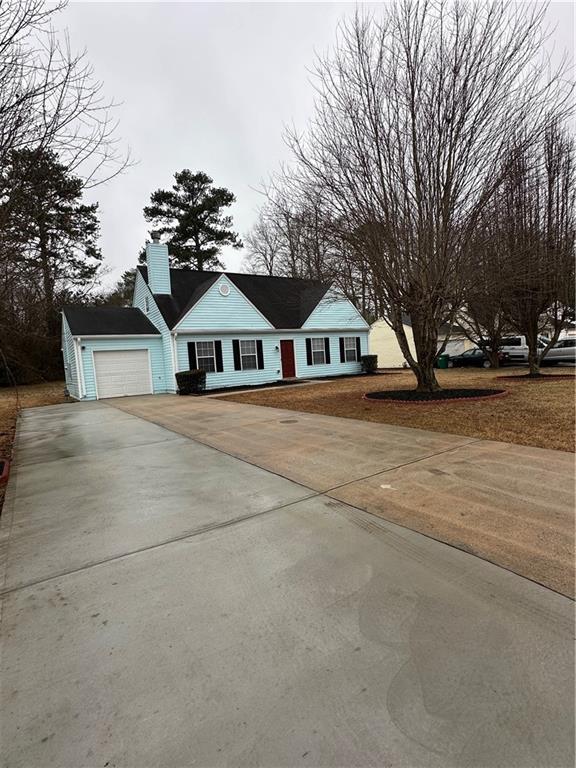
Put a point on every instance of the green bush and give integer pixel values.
(191, 382)
(369, 363)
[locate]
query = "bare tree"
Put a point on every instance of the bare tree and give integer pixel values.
(413, 112)
(536, 221)
(482, 316)
(51, 106)
(264, 243)
(50, 98)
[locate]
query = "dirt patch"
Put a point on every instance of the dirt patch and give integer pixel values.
(442, 396)
(541, 416)
(12, 401)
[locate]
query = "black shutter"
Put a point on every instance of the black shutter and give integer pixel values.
(342, 354)
(218, 351)
(309, 351)
(192, 356)
(260, 353)
(236, 351)
(327, 349)
(358, 349)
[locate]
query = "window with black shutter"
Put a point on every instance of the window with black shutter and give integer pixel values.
(349, 349)
(206, 355)
(248, 354)
(318, 351)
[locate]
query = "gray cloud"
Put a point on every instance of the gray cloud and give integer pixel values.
(207, 86)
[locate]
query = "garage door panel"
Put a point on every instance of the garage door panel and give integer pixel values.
(120, 373)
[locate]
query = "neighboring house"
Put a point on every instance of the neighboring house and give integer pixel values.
(384, 344)
(241, 329)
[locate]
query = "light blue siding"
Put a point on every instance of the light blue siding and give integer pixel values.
(141, 292)
(335, 368)
(69, 355)
(335, 312)
(214, 311)
(158, 263)
(272, 370)
(156, 360)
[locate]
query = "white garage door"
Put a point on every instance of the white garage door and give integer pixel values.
(122, 372)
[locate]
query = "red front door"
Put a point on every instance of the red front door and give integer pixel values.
(287, 355)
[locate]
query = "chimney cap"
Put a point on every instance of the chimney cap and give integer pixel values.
(155, 236)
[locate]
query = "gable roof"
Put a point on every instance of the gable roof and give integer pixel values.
(286, 302)
(108, 321)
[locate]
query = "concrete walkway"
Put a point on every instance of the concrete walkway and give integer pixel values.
(510, 504)
(166, 604)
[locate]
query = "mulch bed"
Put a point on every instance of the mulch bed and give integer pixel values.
(413, 396)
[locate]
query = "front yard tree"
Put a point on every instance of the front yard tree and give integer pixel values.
(413, 112)
(535, 218)
(482, 317)
(192, 216)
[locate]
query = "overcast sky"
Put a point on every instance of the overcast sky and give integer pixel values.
(207, 86)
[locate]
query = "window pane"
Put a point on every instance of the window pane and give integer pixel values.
(248, 347)
(207, 364)
(350, 342)
(249, 362)
(317, 345)
(204, 348)
(350, 355)
(318, 357)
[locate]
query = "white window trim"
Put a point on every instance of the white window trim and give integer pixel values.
(316, 351)
(248, 354)
(348, 348)
(206, 357)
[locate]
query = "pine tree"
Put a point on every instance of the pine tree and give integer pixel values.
(122, 293)
(52, 234)
(192, 216)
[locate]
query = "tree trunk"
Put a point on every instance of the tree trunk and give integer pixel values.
(48, 283)
(425, 335)
(533, 357)
(494, 357)
(426, 378)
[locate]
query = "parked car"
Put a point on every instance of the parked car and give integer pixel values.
(474, 357)
(562, 352)
(517, 347)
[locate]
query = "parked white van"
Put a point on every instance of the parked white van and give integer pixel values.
(517, 347)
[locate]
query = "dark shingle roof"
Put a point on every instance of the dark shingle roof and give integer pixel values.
(187, 287)
(286, 302)
(107, 321)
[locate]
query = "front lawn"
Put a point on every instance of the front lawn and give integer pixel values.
(538, 413)
(11, 401)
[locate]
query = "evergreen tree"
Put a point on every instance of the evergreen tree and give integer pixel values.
(52, 235)
(122, 293)
(192, 216)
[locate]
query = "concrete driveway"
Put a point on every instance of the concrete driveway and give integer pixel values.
(168, 604)
(510, 504)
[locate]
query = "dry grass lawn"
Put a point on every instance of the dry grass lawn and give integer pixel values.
(538, 413)
(11, 402)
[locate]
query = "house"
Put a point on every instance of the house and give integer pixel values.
(241, 329)
(384, 344)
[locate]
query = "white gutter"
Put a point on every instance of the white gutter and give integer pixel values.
(261, 331)
(121, 336)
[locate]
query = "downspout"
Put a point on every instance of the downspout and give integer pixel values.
(173, 336)
(79, 366)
